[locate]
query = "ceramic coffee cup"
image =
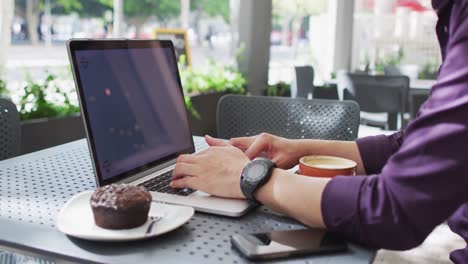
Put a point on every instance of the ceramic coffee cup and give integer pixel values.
(326, 166)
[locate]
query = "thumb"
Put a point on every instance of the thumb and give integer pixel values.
(242, 143)
(215, 142)
(258, 146)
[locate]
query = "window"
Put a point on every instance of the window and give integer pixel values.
(396, 36)
(296, 37)
(41, 28)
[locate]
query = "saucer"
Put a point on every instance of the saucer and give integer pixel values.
(76, 219)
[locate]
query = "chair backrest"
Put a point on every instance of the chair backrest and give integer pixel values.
(304, 81)
(10, 133)
(377, 94)
(287, 117)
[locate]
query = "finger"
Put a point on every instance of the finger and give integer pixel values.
(184, 169)
(258, 146)
(215, 141)
(242, 142)
(185, 182)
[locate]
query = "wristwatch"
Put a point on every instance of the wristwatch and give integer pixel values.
(254, 175)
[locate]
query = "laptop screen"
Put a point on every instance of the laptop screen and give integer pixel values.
(134, 106)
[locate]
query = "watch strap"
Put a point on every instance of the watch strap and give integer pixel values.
(249, 188)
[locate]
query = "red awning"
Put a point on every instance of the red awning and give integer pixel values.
(414, 5)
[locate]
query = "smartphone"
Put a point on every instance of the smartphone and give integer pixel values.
(283, 244)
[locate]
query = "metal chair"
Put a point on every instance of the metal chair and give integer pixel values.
(296, 118)
(10, 142)
(10, 139)
(379, 94)
(10, 132)
(304, 82)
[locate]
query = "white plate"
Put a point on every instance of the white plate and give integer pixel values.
(76, 219)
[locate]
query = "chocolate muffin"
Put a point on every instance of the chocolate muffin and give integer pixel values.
(120, 206)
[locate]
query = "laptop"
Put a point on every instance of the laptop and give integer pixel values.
(135, 117)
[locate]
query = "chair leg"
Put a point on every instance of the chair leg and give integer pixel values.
(392, 121)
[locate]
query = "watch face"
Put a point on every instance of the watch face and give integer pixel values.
(256, 172)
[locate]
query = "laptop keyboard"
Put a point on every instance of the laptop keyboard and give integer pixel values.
(161, 184)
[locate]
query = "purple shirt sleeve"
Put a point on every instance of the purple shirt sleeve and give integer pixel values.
(376, 150)
(419, 178)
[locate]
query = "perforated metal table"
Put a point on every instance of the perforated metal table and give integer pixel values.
(34, 187)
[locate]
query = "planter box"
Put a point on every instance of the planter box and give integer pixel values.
(206, 105)
(329, 92)
(44, 133)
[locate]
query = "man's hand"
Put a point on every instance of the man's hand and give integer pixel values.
(285, 153)
(216, 171)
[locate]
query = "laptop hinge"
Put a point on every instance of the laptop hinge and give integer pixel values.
(148, 172)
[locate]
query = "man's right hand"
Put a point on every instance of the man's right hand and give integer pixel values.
(285, 153)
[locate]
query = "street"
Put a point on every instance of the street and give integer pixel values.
(39, 60)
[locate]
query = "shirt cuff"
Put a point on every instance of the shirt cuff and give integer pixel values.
(369, 147)
(340, 204)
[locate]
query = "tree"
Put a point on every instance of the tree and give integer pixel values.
(212, 8)
(138, 11)
(292, 12)
(31, 9)
(85, 8)
(185, 13)
(32, 20)
(6, 17)
(209, 8)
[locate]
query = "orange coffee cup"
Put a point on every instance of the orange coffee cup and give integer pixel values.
(326, 166)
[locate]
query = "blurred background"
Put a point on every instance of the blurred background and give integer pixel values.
(236, 46)
(290, 48)
(398, 32)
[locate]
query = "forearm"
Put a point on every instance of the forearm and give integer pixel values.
(294, 195)
(344, 149)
